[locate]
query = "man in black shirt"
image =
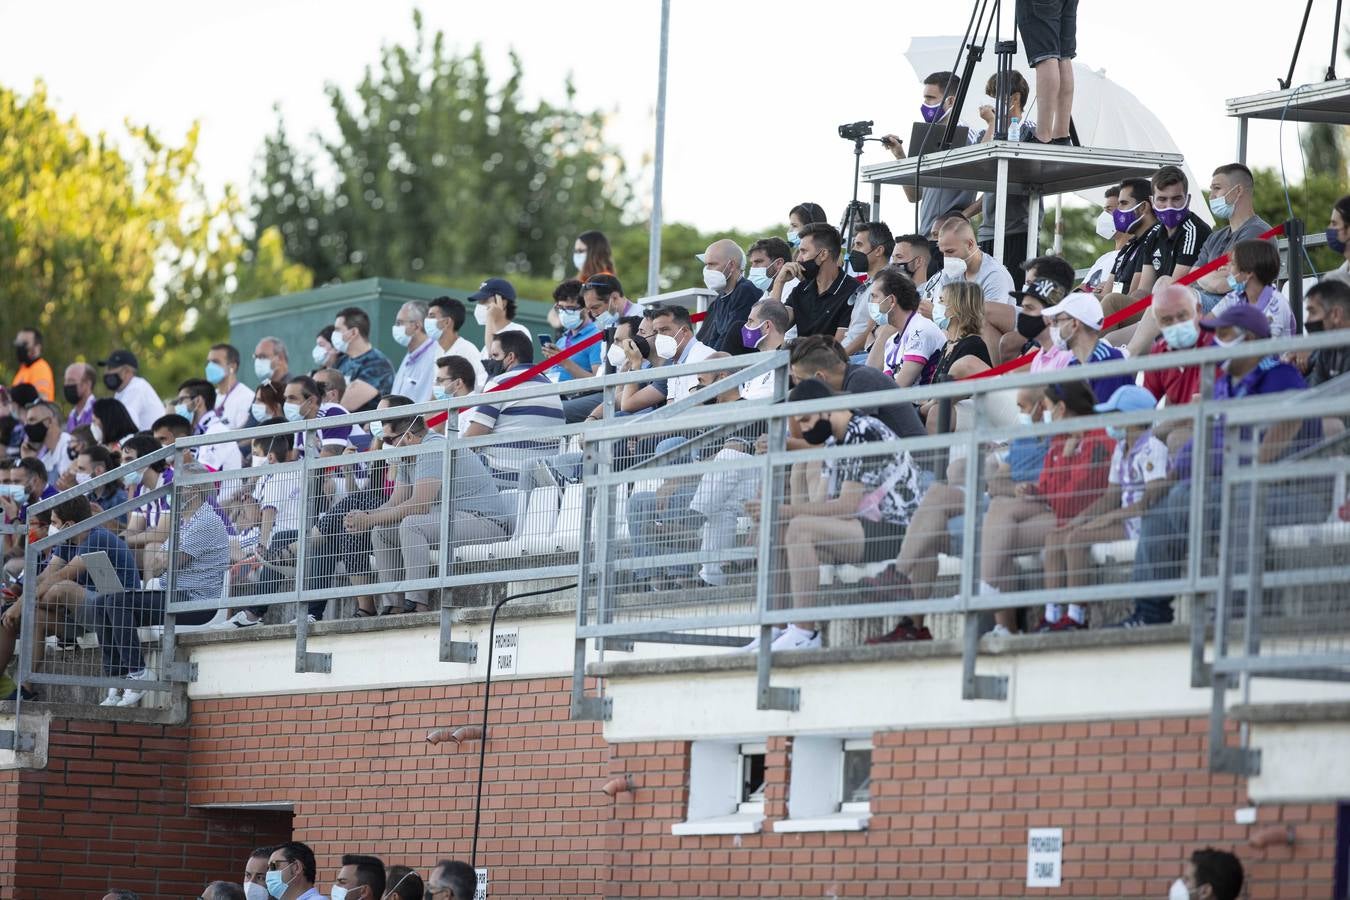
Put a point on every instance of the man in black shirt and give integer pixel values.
(723, 272)
(823, 302)
(1133, 216)
(1176, 253)
(821, 357)
(1328, 309)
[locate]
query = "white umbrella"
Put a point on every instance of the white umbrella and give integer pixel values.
(1104, 113)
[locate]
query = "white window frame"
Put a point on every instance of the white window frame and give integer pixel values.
(816, 786)
(715, 781)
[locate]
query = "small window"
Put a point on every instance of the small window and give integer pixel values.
(752, 758)
(856, 789)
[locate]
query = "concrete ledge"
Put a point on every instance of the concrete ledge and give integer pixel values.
(731, 661)
(95, 713)
(1292, 713)
(514, 611)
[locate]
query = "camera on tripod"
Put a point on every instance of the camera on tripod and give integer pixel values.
(855, 130)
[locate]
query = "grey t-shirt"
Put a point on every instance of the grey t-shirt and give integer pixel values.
(1222, 240)
(474, 490)
(901, 418)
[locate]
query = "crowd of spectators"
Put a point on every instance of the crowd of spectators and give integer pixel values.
(886, 311)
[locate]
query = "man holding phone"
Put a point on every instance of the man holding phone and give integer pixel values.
(577, 327)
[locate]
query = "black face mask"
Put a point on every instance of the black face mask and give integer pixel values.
(818, 433)
(1315, 327)
(71, 392)
(23, 354)
(35, 433)
(1029, 326)
(857, 261)
(112, 381)
(810, 269)
(493, 367)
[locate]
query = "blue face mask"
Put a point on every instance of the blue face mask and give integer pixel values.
(1334, 241)
(440, 393)
(182, 410)
(432, 327)
(276, 885)
(1220, 206)
(338, 892)
(377, 430)
(131, 479)
(292, 412)
(262, 368)
(570, 318)
(259, 412)
(1181, 336)
(1115, 432)
(794, 239)
(1234, 284)
(606, 319)
(215, 372)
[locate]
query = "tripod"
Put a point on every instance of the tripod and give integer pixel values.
(856, 212)
(1288, 82)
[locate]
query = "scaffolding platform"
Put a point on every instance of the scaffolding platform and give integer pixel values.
(1005, 167)
(1326, 102)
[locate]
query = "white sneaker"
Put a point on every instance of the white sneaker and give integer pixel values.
(751, 647)
(308, 618)
(712, 574)
(131, 696)
(114, 695)
(241, 619)
(998, 631)
(795, 638)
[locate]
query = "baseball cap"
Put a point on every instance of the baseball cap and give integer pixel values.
(1244, 316)
(1128, 398)
(119, 358)
(493, 286)
(1046, 290)
(1084, 307)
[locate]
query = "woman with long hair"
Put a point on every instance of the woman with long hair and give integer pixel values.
(959, 312)
(591, 254)
(111, 423)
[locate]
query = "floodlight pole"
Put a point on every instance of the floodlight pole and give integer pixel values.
(654, 241)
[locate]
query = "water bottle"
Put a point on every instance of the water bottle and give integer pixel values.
(1014, 129)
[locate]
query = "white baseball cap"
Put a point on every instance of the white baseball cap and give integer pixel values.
(1086, 308)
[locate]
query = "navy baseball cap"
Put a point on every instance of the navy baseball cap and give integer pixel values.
(119, 358)
(1244, 316)
(493, 286)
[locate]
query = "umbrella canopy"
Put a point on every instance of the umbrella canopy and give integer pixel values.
(1105, 114)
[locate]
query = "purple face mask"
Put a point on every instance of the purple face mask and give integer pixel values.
(1171, 218)
(1125, 219)
(750, 337)
(930, 113)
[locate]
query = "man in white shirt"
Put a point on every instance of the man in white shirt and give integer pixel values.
(495, 310)
(196, 402)
(445, 317)
(134, 392)
(763, 332)
(417, 371)
(674, 321)
(962, 260)
(233, 397)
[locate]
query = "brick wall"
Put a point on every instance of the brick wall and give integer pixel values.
(950, 807)
(111, 809)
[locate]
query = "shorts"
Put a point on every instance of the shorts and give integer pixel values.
(881, 540)
(1049, 29)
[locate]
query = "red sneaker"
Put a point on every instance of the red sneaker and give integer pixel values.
(904, 631)
(1067, 623)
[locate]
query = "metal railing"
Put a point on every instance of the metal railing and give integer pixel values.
(784, 574)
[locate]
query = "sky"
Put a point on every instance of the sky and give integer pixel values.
(756, 90)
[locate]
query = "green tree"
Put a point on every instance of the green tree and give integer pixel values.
(435, 173)
(1311, 200)
(1081, 246)
(102, 247)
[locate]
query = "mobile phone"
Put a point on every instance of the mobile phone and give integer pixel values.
(545, 340)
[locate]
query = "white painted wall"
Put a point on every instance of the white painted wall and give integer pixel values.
(1301, 762)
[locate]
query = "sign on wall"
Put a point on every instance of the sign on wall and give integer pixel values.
(505, 651)
(1045, 856)
(481, 892)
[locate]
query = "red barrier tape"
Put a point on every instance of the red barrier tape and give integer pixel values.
(541, 367)
(1189, 278)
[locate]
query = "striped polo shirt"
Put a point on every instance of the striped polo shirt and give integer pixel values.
(518, 417)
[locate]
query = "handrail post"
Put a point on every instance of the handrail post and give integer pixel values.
(771, 498)
(305, 661)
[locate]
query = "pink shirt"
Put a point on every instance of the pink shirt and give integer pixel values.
(1048, 360)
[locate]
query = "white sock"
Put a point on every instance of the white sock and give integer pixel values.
(1077, 613)
(1053, 611)
(987, 588)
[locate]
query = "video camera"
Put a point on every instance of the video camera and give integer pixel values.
(855, 130)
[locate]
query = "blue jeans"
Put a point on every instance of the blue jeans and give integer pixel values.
(1164, 533)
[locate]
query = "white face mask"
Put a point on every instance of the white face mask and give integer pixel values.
(255, 891)
(714, 280)
(97, 431)
(318, 354)
(480, 314)
(666, 346)
(616, 356)
(82, 477)
(1047, 416)
(1024, 418)
(579, 260)
(953, 267)
(432, 327)
(1178, 891)
(259, 461)
(1106, 225)
(1231, 342)
(401, 336)
(1057, 338)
